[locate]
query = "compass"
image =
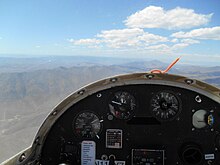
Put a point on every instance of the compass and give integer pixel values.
(165, 106)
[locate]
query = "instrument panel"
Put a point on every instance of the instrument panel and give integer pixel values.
(139, 124)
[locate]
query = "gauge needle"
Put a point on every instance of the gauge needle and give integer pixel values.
(94, 121)
(116, 102)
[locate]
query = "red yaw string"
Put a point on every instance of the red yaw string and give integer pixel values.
(167, 69)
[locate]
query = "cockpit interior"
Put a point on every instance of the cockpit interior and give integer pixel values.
(132, 119)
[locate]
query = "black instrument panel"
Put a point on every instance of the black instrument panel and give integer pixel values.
(137, 124)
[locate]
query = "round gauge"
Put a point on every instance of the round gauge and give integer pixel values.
(122, 105)
(165, 106)
(202, 119)
(87, 125)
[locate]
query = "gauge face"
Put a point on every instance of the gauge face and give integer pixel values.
(122, 105)
(202, 119)
(165, 106)
(87, 125)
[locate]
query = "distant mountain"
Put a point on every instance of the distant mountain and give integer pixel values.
(214, 81)
(146, 65)
(56, 81)
(28, 64)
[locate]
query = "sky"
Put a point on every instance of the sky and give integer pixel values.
(156, 29)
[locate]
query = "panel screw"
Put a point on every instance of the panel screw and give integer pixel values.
(110, 117)
(22, 157)
(113, 80)
(99, 95)
(104, 157)
(198, 99)
(149, 76)
(37, 140)
(188, 81)
(81, 92)
(54, 113)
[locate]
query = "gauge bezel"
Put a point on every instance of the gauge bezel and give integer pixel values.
(132, 111)
(176, 95)
(74, 123)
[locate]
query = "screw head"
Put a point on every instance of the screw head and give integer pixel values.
(113, 80)
(188, 81)
(81, 92)
(99, 95)
(149, 76)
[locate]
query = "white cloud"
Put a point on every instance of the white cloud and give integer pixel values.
(135, 38)
(202, 33)
(157, 17)
(174, 40)
(183, 44)
(163, 48)
(159, 47)
(171, 48)
(179, 46)
(121, 33)
(121, 38)
(189, 41)
(152, 38)
(87, 41)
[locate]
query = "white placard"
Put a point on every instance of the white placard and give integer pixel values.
(114, 138)
(88, 150)
(209, 156)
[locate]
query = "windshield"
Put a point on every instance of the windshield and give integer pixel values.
(49, 49)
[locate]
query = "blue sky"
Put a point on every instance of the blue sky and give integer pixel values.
(157, 29)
